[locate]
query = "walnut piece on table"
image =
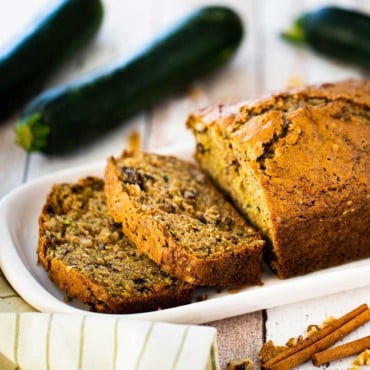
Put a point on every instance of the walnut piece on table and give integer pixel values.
(240, 364)
(363, 359)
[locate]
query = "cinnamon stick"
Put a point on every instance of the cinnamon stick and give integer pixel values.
(344, 350)
(318, 341)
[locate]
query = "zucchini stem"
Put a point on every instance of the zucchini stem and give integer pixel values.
(32, 133)
(296, 34)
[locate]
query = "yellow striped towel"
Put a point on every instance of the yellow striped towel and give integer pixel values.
(38, 341)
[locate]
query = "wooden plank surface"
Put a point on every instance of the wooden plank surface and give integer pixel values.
(263, 63)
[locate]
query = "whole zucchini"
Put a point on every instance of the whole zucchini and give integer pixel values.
(27, 61)
(63, 118)
(339, 33)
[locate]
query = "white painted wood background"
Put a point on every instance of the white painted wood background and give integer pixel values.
(264, 63)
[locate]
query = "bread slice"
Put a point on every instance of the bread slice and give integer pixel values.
(296, 164)
(88, 257)
(174, 214)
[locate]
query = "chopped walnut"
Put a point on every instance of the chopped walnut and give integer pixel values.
(363, 359)
(269, 350)
(311, 329)
(294, 341)
(240, 364)
(327, 321)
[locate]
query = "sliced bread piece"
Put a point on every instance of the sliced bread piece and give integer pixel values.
(88, 257)
(175, 215)
(297, 165)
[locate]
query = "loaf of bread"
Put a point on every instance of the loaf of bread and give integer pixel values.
(174, 214)
(88, 257)
(297, 165)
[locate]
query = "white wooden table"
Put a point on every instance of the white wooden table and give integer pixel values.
(263, 63)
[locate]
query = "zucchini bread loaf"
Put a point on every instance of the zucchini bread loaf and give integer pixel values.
(87, 255)
(297, 165)
(174, 214)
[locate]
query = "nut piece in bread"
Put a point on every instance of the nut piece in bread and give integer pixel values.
(175, 215)
(88, 257)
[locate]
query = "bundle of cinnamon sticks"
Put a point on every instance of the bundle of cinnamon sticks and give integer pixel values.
(316, 346)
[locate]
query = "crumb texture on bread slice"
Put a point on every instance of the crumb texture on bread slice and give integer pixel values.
(88, 256)
(296, 164)
(175, 215)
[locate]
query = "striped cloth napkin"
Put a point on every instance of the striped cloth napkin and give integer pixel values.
(38, 341)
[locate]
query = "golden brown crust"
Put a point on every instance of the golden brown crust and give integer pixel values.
(156, 231)
(307, 151)
(354, 91)
(78, 268)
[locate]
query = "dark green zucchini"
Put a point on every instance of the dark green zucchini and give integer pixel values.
(342, 34)
(68, 116)
(27, 61)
